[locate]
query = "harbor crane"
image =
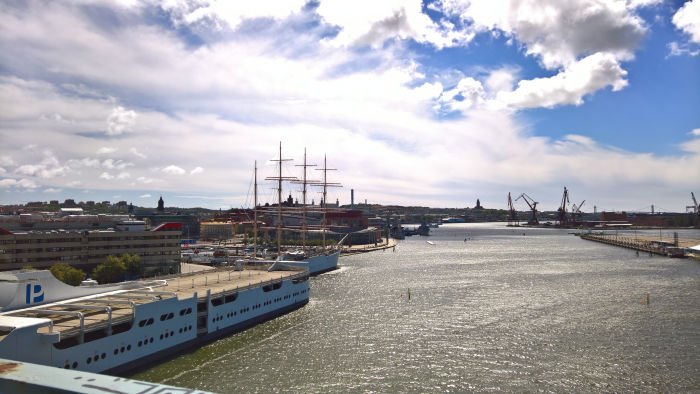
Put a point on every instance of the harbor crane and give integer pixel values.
(561, 212)
(695, 207)
(533, 208)
(576, 212)
(512, 214)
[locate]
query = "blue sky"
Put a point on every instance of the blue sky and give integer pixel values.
(434, 104)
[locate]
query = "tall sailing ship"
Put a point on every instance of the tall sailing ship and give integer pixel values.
(317, 259)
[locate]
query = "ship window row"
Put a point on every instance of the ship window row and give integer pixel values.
(167, 334)
(97, 357)
(127, 348)
(185, 311)
(146, 322)
(224, 300)
(145, 342)
(228, 316)
(166, 316)
(90, 336)
(271, 287)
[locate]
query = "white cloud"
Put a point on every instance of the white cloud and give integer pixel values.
(676, 49)
(196, 170)
(90, 162)
(137, 153)
(105, 150)
(146, 180)
(173, 170)
(371, 23)
(6, 161)
(147, 195)
(369, 110)
(468, 93)
(48, 167)
(695, 132)
(113, 164)
(23, 183)
(123, 175)
(27, 184)
(2, 171)
(106, 176)
(52, 190)
(120, 120)
(7, 182)
(585, 77)
(231, 13)
(687, 19)
(557, 32)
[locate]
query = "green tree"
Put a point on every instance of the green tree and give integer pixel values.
(132, 262)
(67, 274)
(111, 271)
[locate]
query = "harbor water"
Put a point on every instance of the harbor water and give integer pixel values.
(483, 308)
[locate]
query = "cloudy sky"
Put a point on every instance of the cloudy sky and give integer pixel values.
(433, 103)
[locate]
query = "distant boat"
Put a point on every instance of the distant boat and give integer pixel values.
(423, 230)
(453, 220)
(430, 242)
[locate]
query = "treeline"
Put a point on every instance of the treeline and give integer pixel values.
(113, 269)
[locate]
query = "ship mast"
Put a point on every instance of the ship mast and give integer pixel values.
(255, 212)
(279, 178)
(304, 221)
(325, 184)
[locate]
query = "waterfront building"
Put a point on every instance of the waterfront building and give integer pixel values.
(216, 230)
(346, 221)
(67, 219)
(189, 222)
(159, 248)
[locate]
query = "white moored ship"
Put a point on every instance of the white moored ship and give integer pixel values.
(119, 327)
(315, 263)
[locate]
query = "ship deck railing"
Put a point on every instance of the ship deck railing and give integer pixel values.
(103, 313)
(226, 281)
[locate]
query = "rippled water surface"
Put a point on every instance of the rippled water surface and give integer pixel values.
(491, 309)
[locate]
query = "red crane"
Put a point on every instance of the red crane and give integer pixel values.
(533, 208)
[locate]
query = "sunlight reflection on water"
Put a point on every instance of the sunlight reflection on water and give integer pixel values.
(501, 311)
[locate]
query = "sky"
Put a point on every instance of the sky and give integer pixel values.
(433, 103)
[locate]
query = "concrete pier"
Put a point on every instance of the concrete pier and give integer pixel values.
(643, 243)
(355, 249)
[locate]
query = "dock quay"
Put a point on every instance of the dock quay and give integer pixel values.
(357, 249)
(643, 243)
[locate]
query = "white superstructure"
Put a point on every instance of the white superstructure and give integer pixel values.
(315, 263)
(113, 328)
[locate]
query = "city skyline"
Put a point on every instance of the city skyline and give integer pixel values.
(416, 103)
